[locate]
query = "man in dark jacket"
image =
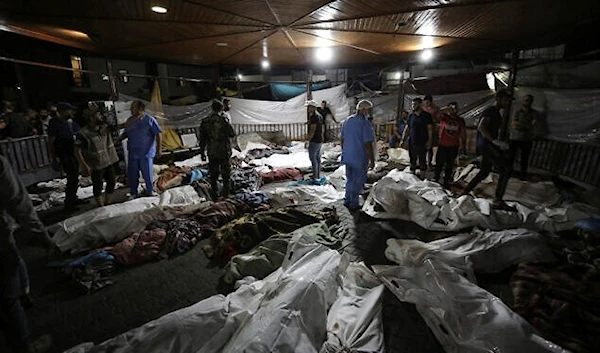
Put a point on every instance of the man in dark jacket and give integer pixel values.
(16, 206)
(215, 136)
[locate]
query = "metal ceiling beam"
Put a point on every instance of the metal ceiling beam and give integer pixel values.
(228, 12)
(248, 46)
(311, 12)
(291, 40)
(398, 33)
(47, 37)
(416, 9)
(339, 42)
(273, 12)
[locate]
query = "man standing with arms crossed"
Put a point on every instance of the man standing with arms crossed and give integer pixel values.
(419, 131)
(357, 152)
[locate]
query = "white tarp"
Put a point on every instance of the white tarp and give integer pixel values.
(354, 322)
(486, 251)
(246, 111)
(463, 317)
(113, 223)
(285, 312)
(403, 195)
(303, 194)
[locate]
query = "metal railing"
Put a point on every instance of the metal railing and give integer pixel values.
(27, 154)
(577, 161)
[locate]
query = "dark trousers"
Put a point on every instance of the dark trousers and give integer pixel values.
(100, 176)
(70, 166)
(492, 157)
(525, 148)
(444, 159)
(218, 167)
(417, 155)
(13, 320)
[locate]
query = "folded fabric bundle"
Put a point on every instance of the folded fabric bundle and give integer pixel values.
(253, 199)
(139, 247)
(283, 174)
(245, 180)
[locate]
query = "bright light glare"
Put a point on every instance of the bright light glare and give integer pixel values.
(397, 75)
(324, 54)
(159, 9)
(427, 42)
(239, 76)
(265, 64)
(426, 55)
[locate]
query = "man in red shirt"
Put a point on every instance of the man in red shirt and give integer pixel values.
(452, 135)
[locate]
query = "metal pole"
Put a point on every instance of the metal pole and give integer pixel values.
(511, 89)
(112, 84)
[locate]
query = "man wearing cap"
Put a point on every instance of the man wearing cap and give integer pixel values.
(419, 132)
(215, 136)
(521, 134)
(144, 142)
(61, 144)
(452, 137)
(357, 151)
(315, 137)
(493, 150)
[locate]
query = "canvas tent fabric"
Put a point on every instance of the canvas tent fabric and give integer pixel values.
(284, 91)
(245, 111)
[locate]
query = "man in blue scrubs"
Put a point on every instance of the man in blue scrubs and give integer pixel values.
(144, 142)
(357, 151)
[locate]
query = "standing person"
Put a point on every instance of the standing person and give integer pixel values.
(51, 112)
(521, 134)
(357, 152)
(433, 110)
(13, 124)
(144, 142)
(399, 126)
(452, 137)
(215, 137)
(35, 124)
(226, 109)
(97, 155)
(492, 149)
(325, 111)
(419, 131)
(315, 137)
(61, 145)
(16, 206)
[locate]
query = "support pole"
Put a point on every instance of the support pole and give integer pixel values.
(112, 83)
(511, 88)
(308, 93)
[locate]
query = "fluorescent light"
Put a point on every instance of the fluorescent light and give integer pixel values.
(426, 55)
(159, 9)
(265, 63)
(239, 76)
(221, 44)
(397, 75)
(324, 54)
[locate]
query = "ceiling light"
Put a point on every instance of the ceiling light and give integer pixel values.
(159, 9)
(265, 63)
(239, 76)
(426, 55)
(427, 42)
(324, 54)
(221, 44)
(397, 75)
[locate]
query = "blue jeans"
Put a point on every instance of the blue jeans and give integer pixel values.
(314, 154)
(356, 176)
(133, 174)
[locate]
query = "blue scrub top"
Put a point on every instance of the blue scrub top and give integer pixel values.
(141, 137)
(356, 132)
